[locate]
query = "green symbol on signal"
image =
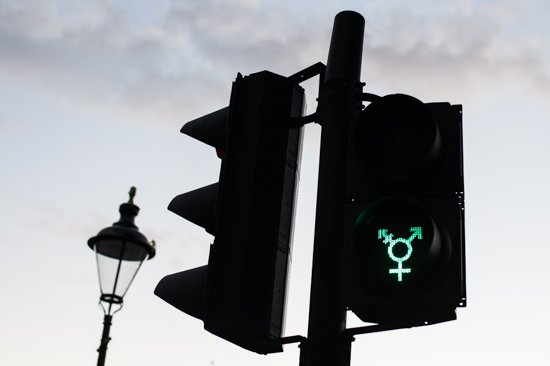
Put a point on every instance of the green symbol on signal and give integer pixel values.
(388, 239)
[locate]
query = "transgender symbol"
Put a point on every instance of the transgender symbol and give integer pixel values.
(388, 239)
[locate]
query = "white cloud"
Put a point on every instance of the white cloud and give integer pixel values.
(184, 59)
(465, 53)
(96, 55)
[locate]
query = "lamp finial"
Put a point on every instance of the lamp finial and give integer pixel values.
(132, 194)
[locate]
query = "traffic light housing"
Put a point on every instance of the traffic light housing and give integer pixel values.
(240, 295)
(404, 214)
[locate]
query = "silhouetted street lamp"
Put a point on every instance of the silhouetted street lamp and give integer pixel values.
(120, 251)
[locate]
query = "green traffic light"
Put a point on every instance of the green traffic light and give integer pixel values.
(388, 239)
(398, 246)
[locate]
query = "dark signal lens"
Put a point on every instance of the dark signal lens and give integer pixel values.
(397, 137)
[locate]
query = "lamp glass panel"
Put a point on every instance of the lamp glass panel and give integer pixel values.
(118, 263)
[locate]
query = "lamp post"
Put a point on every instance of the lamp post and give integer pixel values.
(120, 250)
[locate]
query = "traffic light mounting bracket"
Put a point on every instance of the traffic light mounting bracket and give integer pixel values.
(350, 332)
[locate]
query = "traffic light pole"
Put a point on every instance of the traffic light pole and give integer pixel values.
(327, 342)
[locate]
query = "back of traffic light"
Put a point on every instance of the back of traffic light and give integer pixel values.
(405, 212)
(240, 295)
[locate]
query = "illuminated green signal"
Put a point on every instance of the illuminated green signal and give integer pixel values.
(391, 258)
(388, 239)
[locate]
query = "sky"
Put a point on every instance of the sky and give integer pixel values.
(93, 94)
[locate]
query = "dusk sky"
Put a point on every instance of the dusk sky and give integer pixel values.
(93, 94)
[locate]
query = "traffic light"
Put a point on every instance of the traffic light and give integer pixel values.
(405, 212)
(240, 295)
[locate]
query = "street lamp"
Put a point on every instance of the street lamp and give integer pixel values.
(120, 250)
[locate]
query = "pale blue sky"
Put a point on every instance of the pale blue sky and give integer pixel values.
(92, 97)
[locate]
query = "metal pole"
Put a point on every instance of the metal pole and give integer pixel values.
(104, 340)
(326, 343)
